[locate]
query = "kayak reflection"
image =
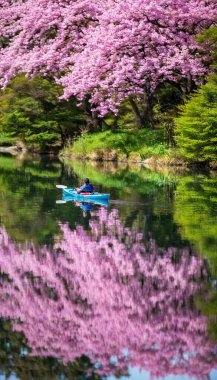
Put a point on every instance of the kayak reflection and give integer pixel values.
(86, 208)
(85, 205)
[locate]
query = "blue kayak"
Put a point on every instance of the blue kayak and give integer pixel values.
(86, 197)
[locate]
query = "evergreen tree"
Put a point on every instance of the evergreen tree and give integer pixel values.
(196, 127)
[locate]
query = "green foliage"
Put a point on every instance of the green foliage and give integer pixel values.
(156, 150)
(207, 304)
(165, 101)
(195, 211)
(196, 127)
(30, 110)
(6, 139)
(144, 143)
(125, 118)
(168, 96)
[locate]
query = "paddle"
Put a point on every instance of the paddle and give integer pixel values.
(61, 187)
(65, 187)
(60, 202)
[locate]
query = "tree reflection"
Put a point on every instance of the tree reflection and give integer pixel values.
(26, 197)
(196, 214)
(107, 295)
(15, 359)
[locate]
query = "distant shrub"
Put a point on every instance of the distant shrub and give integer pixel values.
(196, 127)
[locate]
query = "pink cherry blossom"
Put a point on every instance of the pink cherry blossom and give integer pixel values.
(105, 50)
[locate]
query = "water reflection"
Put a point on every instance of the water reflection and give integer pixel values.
(196, 213)
(108, 295)
(17, 362)
(26, 197)
(124, 288)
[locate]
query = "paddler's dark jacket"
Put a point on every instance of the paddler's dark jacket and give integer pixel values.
(87, 188)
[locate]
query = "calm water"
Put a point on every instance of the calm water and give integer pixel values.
(125, 291)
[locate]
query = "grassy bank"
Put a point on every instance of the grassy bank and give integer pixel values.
(121, 145)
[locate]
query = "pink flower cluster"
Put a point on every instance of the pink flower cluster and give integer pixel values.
(107, 294)
(104, 49)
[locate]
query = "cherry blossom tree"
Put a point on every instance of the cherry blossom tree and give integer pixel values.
(107, 294)
(106, 50)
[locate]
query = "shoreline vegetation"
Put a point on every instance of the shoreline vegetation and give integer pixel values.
(111, 156)
(32, 119)
(118, 145)
(128, 147)
(170, 159)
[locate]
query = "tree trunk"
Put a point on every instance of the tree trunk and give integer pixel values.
(146, 116)
(187, 85)
(63, 135)
(137, 113)
(92, 119)
(170, 136)
(150, 115)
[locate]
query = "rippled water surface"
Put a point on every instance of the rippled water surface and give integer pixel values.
(95, 292)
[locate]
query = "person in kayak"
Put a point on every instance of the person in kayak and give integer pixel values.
(86, 188)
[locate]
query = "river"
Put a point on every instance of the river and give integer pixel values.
(95, 292)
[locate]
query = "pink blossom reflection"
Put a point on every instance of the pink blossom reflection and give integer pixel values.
(107, 294)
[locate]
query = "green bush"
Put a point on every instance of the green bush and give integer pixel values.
(196, 127)
(6, 140)
(156, 150)
(31, 111)
(144, 142)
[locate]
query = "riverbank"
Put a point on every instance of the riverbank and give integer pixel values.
(146, 147)
(112, 156)
(143, 146)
